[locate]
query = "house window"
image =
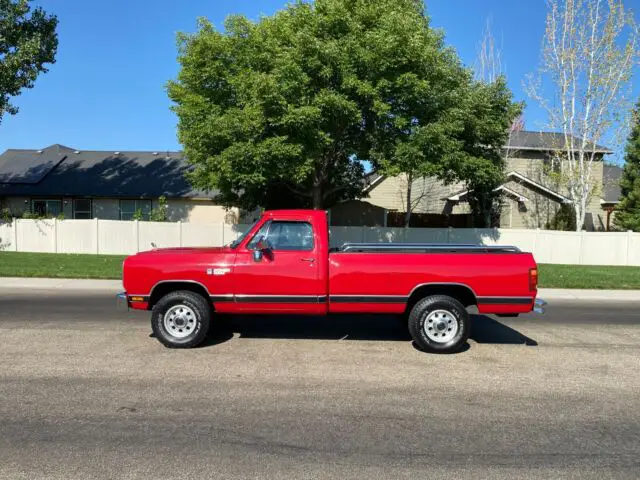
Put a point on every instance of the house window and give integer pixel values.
(128, 209)
(46, 208)
(82, 208)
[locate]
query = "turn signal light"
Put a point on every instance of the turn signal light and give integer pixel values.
(137, 299)
(533, 279)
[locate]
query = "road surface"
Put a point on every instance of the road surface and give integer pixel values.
(85, 392)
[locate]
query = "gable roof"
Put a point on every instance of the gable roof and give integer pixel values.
(545, 141)
(517, 177)
(62, 171)
(502, 188)
(611, 176)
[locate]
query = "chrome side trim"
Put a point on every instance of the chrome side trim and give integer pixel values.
(368, 298)
(504, 300)
(278, 298)
(227, 297)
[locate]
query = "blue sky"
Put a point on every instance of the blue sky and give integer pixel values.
(106, 90)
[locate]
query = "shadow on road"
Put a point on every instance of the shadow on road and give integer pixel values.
(349, 327)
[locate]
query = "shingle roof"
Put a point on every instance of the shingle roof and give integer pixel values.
(525, 140)
(611, 183)
(62, 171)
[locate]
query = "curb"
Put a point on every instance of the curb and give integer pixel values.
(589, 295)
(61, 284)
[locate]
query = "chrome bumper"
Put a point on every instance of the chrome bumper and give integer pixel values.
(539, 306)
(122, 301)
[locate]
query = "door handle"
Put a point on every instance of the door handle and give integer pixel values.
(308, 259)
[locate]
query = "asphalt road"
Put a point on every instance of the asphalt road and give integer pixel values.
(85, 392)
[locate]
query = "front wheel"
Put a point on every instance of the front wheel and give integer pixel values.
(439, 324)
(181, 319)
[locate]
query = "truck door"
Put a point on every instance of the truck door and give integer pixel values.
(277, 270)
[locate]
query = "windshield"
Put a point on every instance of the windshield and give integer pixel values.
(239, 240)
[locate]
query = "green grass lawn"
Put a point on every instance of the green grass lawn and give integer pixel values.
(59, 265)
(589, 276)
(109, 266)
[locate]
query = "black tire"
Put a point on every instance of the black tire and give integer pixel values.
(196, 323)
(455, 312)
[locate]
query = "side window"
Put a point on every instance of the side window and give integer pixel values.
(285, 235)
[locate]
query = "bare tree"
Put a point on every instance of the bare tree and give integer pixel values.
(489, 65)
(588, 55)
(415, 191)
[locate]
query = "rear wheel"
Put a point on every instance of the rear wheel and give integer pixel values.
(439, 324)
(181, 319)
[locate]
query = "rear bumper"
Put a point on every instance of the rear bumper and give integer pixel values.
(539, 306)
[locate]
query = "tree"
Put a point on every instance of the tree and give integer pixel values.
(628, 211)
(293, 103)
(28, 41)
(275, 105)
(589, 52)
(500, 121)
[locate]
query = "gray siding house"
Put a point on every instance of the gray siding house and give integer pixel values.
(59, 180)
(531, 197)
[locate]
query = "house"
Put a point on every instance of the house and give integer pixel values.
(59, 180)
(532, 196)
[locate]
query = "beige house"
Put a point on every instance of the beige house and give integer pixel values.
(61, 181)
(532, 197)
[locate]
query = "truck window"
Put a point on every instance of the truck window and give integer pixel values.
(283, 235)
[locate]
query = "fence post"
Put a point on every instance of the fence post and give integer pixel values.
(136, 225)
(628, 260)
(449, 230)
(222, 224)
(580, 255)
(15, 233)
(96, 232)
(535, 245)
(55, 235)
(179, 233)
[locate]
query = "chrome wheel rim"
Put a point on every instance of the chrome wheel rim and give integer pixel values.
(180, 321)
(440, 326)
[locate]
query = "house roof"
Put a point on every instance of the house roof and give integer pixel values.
(517, 177)
(526, 140)
(502, 188)
(611, 184)
(62, 171)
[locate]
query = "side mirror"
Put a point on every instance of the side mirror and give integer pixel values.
(257, 255)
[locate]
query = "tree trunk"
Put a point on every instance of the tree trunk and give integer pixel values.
(579, 212)
(317, 196)
(407, 215)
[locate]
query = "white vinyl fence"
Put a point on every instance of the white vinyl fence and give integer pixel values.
(127, 237)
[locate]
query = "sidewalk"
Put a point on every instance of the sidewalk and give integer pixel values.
(115, 286)
(61, 284)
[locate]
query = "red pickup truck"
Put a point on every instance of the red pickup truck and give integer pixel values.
(283, 265)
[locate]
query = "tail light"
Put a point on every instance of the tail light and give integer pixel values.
(533, 279)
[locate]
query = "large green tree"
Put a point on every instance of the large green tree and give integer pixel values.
(28, 41)
(287, 107)
(627, 216)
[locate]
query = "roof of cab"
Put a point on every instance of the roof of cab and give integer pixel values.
(300, 212)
